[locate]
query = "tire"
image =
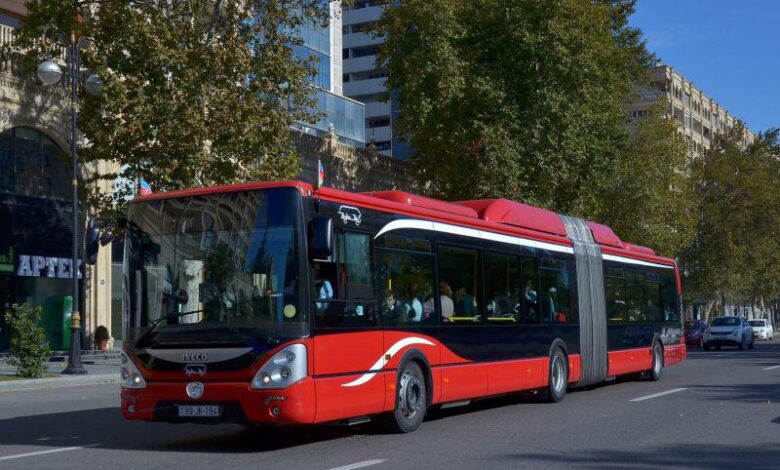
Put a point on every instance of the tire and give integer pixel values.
(705, 346)
(657, 369)
(558, 374)
(752, 343)
(411, 401)
(741, 346)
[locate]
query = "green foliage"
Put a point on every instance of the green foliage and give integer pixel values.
(737, 247)
(518, 99)
(29, 347)
(651, 198)
(197, 92)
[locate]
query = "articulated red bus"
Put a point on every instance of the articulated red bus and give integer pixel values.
(278, 303)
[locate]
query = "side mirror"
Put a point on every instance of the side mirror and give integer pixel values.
(91, 242)
(321, 238)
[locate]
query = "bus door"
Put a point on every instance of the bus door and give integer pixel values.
(347, 337)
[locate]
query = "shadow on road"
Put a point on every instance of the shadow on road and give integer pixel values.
(675, 456)
(106, 428)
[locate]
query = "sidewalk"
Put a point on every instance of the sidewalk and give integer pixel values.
(101, 368)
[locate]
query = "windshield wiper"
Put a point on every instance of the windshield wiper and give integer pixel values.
(171, 316)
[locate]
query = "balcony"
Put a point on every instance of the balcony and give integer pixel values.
(359, 64)
(365, 87)
(361, 40)
(378, 109)
(362, 15)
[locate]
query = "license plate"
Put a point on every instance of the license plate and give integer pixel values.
(199, 411)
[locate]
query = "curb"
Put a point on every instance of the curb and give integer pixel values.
(54, 382)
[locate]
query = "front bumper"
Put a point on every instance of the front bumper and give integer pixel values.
(723, 341)
(159, 401)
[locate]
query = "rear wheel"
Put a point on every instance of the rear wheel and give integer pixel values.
(741, 343)
(558, 377)
(752, 342)
(657, 369)
(411, 400)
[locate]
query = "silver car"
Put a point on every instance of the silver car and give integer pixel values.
(762, 329)
(728, 331)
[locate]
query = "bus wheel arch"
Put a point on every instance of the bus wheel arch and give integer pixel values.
(413, 378)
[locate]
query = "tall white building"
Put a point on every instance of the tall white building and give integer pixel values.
(698, 116)
(365, 82)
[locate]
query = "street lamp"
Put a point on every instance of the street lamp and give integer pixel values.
(50, 73)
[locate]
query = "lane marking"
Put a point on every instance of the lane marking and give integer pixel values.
(770, 368)
(656, 395)
(365, 463)
(44, 452)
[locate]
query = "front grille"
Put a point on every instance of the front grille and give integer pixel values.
(720, 333)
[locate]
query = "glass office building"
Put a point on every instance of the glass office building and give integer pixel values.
(346, 115)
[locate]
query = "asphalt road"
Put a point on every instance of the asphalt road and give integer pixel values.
(721, 411)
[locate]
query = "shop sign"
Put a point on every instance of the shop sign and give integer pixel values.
(45, 266)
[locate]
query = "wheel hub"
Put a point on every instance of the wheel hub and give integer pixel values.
(410, 395)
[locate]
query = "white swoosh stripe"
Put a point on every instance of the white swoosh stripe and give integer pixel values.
(401, 224)
(382, 361)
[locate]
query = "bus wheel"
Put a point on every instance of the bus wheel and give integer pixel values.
(411, 400)
(658, 363)
(559, 376)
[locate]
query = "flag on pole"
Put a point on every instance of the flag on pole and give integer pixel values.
(320, 173)
(144, 188)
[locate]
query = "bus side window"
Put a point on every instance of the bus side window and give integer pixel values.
(503, 288)
(460, 279)
(530, 292)
(405, 283)
(615, 299)
(556, 291)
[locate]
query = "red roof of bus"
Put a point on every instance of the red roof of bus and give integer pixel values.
(500, 215)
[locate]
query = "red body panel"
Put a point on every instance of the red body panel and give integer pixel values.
(629, 360)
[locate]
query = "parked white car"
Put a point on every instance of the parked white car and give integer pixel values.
(728, 331)
(762, 329)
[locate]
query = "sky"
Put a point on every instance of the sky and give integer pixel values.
(729, 49)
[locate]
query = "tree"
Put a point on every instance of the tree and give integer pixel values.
(197, 92)
(29, 347)
(651, 195)
(736, 252)
(517, 99)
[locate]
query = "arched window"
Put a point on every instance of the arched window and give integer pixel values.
(31, 164)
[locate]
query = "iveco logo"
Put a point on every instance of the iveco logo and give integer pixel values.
(195, 357)
(194, 390)
(195, 369)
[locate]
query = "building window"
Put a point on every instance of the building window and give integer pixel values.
(31, 164)
(378, 122)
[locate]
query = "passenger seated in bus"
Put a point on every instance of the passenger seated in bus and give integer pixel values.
(323, 287)
(391, 307)
(548, 304)
(447, 306)
(414, 308)
(465, 304)
(560, 317)
(501, 305)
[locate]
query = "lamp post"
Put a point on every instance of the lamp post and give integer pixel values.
(50, 73)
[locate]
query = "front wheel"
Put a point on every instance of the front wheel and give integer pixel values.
(657, 369)
(752, 342)
(741, 346)
(558, 377)
(411, 400)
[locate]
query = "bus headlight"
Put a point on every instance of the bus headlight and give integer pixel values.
(129, 374)
(284, 369)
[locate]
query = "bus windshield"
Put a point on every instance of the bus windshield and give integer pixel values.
(215, 269)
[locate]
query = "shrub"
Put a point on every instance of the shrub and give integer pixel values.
(29, 347)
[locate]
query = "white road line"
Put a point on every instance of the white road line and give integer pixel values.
(353, 466)
(44, 452)
(770, 368)
(655, 395)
